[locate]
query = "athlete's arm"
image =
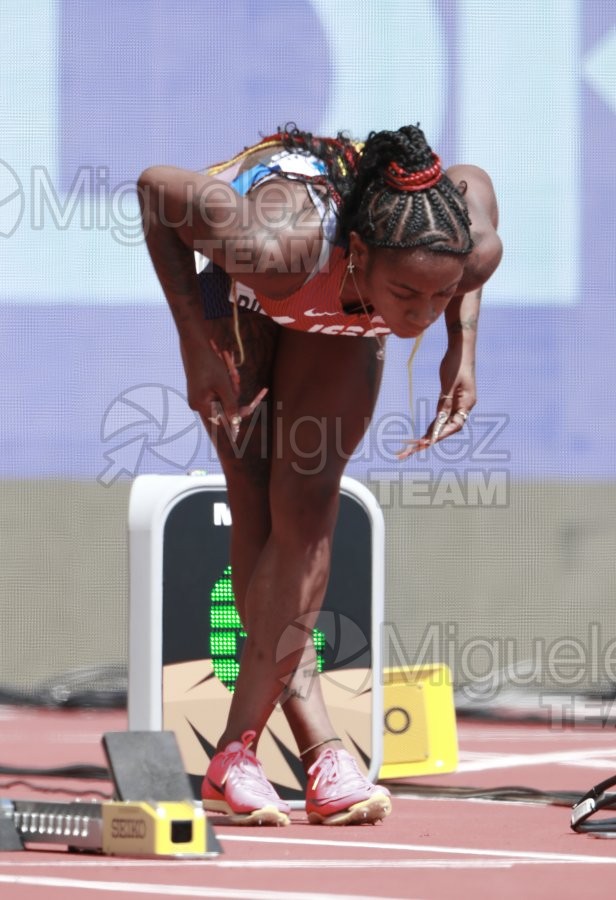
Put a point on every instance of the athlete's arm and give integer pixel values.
(462, 312)
(267, 240)
(457, 369)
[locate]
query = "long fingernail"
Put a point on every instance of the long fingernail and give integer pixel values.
(236, 421)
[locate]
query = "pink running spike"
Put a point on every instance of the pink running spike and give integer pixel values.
(235, 784)
(338, 793)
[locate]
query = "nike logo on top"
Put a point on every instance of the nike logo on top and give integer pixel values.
(313, 313)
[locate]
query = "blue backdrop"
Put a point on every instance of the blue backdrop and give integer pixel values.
(94, 92)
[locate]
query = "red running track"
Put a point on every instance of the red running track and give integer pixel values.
(429, 848)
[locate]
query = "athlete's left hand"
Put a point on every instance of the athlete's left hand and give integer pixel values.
(458, 397)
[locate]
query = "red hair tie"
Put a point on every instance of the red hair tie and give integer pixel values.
(398, 178)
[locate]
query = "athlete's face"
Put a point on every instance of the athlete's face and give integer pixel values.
(408, 288)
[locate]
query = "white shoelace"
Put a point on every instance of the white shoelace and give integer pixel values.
(243, 763)
(337, 765)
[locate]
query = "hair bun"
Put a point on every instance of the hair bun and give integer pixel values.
(407, 147)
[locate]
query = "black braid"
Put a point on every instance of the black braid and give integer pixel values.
(434, 217)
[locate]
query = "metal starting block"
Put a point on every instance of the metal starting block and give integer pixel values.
(153, 814)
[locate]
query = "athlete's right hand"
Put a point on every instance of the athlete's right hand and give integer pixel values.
(213, 385)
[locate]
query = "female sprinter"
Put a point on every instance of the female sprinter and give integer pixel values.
(318, 248)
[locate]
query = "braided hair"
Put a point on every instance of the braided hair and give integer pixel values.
(391, 191)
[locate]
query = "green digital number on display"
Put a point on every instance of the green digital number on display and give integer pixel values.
(227, 633)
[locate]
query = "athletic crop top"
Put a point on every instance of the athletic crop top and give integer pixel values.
(316, 306)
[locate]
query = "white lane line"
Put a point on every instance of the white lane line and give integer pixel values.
(432, 863)
(532, 804)
(417, 863)
(271, 864)
(516, 760)
(423, 848)
(264, 864)
(178, 890)
(281, 864)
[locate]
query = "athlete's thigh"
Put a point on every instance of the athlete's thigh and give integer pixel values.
(259, 337)
(325, 389)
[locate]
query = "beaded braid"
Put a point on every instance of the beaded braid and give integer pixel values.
(340, 155)
(391, 191)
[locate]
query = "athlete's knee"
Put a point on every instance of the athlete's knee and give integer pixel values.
(304, 507)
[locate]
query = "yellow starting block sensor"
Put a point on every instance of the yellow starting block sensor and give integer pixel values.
(419, 722)
(156, 829)
(154, 813)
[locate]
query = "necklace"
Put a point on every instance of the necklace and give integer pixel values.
(350, 270)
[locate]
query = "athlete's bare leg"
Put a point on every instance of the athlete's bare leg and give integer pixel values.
(322, 393)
